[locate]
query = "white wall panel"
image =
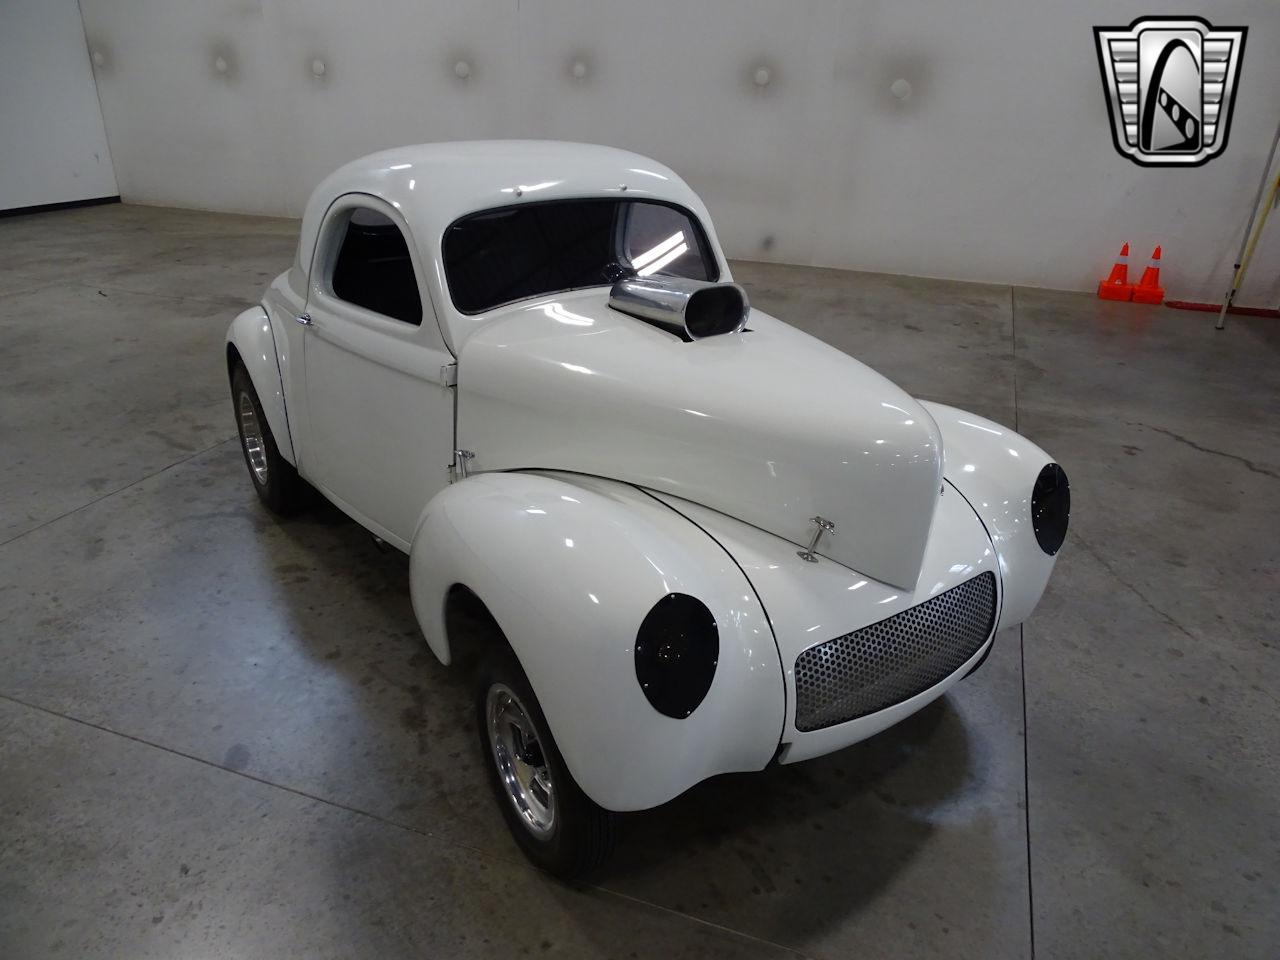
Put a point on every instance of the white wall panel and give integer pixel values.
(181, 133)
(679, 86)
(52, 145)
(999, 166)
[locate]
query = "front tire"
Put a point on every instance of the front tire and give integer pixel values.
(559, 828)
(274, 478)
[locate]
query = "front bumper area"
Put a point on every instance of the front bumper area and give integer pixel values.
(895, 659)
(806, 746)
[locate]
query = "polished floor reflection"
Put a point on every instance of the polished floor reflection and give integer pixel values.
(222, 735)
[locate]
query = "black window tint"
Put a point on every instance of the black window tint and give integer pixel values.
(373, 269)
(497, 256)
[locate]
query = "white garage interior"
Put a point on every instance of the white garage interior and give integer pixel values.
(223, 734)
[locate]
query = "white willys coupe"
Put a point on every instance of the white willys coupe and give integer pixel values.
(700, 540)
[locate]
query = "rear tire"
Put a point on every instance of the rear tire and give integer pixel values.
(274, 478)
(559, 828)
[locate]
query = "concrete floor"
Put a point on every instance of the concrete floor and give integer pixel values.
(221, 734)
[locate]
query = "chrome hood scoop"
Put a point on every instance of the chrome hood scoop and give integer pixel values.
(768, 425)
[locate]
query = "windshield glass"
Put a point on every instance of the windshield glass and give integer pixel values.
(497, 256)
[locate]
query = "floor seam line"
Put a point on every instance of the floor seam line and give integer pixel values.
(1026, 788)
(1013, 352)
(1022, 662)
(396, 825)
(112, 493)
(706, 923)
(142, 741)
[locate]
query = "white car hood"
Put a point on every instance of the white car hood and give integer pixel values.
(769, 425)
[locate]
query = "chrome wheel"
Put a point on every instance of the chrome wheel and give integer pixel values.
(255, 446)
(522, 765)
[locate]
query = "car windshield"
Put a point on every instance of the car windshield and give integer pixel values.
(506, 254)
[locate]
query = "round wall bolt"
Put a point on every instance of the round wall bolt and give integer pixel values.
(762, 76)
(98, 58)
(317, 67)
(579, 70)
(900, 88)
(220, 64)
(462, 69)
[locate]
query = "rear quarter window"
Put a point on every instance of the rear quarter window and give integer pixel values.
(373, 268)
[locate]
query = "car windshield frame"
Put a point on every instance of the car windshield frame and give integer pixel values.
(701, 245)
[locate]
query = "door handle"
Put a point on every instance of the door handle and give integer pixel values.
(305, 320)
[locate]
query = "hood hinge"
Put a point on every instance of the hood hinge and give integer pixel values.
(824, 526)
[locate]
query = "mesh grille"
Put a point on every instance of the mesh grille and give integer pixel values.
(893, 660)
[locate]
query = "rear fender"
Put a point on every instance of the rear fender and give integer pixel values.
(569, 566)
(253, 339)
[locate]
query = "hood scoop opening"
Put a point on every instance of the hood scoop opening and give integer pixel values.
(691, 309)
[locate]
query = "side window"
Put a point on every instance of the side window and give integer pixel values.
(373, 269)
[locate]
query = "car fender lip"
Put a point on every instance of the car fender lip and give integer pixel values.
(995, 470)
(252, 334)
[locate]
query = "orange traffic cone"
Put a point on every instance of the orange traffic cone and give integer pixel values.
(1117, 286)
(1148, 289)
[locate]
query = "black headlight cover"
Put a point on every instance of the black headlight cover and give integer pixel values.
(1050, 508)
(677, 648)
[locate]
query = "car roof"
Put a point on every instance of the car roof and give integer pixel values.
(433, 184)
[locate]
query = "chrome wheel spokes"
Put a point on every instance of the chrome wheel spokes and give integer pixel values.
(521, 761)
(255, 446)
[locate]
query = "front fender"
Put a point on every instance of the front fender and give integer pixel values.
(251, 335)
(569, 566)
(995, 469)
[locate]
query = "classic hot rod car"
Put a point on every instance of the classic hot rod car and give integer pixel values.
(698, 540)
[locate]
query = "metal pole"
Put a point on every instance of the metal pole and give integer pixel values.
(1236, 278)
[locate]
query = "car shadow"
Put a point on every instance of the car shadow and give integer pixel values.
(796, 848)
